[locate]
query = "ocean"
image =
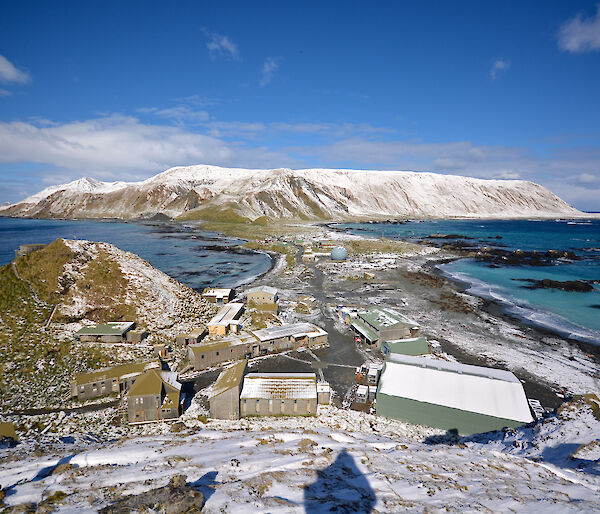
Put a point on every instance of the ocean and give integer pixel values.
(193, 256)
(571, 314)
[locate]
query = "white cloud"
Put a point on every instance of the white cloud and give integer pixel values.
(580, 34)
(180, 113)
(5, 92)
(269, 68)
(221, 46)
(120, 147)
(500, 65)
(9, 73)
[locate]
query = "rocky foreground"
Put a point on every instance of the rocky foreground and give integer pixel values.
(214, 193)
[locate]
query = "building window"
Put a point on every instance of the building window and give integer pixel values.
(202, 356)
(217, 354)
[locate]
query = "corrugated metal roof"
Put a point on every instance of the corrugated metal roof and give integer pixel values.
(379, 317)
(364, 329)
(216, 291)
(290, 329)
(228, 313)
(112, 328)
(488, 391)
(225, 342)
(262, 289)
(120, 371)
(272, 386)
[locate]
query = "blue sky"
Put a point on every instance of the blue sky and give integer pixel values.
(124, 90)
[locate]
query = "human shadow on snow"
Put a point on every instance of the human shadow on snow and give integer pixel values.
(340, 487)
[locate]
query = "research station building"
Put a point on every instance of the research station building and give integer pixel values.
(102, 382)
(154, 396)
(111, 332)
(378, 324)
(226, 320)
(225, 394)
(450, 395)
(217, 295)
(279, 394)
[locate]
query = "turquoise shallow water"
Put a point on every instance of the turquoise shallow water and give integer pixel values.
(195, 257)
(571, 314)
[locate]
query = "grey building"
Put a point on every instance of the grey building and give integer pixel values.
(377, 324)
(279, 394)
(111, 332)
(192, 337)
(225, 398)
(154, 397)
(260, 342)
(290, 336)
(117, 379)
(263, 298)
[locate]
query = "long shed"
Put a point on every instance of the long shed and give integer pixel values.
(279, 394)
(450, 395)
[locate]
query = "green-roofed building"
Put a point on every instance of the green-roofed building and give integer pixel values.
(225, 399)
(102, 382)
(377, 324)
(410, 346)
(154, 397)
(112, 332)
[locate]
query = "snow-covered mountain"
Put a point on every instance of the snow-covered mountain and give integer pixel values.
(199, 191)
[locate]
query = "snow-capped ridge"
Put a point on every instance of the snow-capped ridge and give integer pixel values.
(315, 193)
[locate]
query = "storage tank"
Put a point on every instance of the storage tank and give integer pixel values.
(339, 253)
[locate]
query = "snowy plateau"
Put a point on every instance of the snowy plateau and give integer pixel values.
(306, 194)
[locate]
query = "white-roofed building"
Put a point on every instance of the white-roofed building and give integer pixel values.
(450, 395)
(226, 319)
(291, 336)
(279, 394)
(217, 294)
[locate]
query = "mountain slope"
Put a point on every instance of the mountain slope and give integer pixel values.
(195, 191)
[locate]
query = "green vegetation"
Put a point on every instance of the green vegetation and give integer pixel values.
(42, 269)
(227, 213)
(37, 363)
(366, 246)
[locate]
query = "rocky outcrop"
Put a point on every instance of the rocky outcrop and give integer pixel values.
(578, 286)
(176, 497)
(201, 191)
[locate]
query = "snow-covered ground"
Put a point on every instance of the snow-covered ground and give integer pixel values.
(343, 460)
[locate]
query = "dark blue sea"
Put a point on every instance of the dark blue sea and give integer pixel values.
(572, 314)
(185, 252)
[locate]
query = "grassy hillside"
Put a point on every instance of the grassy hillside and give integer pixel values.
(36, 364)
